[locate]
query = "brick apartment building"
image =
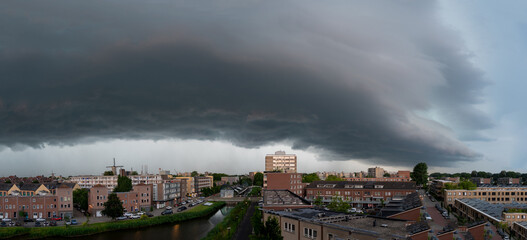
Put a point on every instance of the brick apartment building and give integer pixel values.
(360, 194)
(508, 181)
(37, 200)
(475, 209)
(519, 230)
(280, 161)
(284, 181)
(133, 201)
(481, 181)
(230, 180)
(309, 224)
(489, 193)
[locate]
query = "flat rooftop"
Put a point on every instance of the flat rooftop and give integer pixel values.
(382, 228)
(494, 210)
(283, 197)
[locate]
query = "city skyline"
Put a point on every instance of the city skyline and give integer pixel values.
(192, 86)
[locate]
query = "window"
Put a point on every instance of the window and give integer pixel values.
(310, 233)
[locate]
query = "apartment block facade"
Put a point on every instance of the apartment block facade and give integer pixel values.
(489, 193)
(280, 161)
(36, 200)
(376, 172)
(110, 182)
(168, 193)
(284, 181)
(360, 194)
(133, 201)
(201, 182)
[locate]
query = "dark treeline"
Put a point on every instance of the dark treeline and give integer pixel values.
(482, 174)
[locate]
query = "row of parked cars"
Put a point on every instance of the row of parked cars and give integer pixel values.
(39, 222)
(181, 206)
(137, 215)
(443, 211)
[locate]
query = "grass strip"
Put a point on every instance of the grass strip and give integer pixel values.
(226, 228)
(89, 229)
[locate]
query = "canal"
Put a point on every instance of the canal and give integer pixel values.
(193, 229)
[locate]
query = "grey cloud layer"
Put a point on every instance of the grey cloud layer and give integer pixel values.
(355, 79)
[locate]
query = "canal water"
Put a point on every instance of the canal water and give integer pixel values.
(193, 229)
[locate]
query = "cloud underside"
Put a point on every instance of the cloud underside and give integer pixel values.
(375, 82)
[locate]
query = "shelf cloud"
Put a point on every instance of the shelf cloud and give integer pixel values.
(375, 81)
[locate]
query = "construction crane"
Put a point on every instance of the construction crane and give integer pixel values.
(114, 168)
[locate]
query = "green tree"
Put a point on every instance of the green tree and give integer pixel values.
(255, 192)
(205, 192)
(113, 207)
(338, 205)
(108, 173)
(257, 223)
(133, 173)
(124, 184)
(309, 178)
(420, 174)
(386, 175)
(333, 178)
(35, 181)
(80, 198)
(22, 214)
(217, 176)
(272, 229)
(8, 181)
(258, 179)
(194, 174)
(318, 201)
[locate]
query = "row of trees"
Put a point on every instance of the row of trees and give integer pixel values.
(482, 174)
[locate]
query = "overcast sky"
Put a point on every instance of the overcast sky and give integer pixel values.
(215, 85)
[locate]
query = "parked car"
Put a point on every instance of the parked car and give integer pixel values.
(53, 223)
(427, 216)
(128, 214)
(149, 214)
(41, 220)
(37, 224)
(445, 214)
(135, 216)
(3, 224)
(167, 212)
(6, 220)
(168, 207)
(28, 220)
(11, 224)
(182, 209)
(121, 218)
(56, 218)
(45, 224)
(73, 222)
(18, 224)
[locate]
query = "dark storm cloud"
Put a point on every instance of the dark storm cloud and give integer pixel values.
(353, 79)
